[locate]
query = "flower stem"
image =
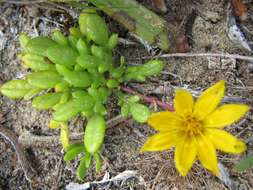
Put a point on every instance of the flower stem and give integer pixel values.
(148, 99)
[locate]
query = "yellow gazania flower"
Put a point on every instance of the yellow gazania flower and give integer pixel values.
(195, 129)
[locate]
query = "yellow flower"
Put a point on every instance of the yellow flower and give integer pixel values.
(195, 129)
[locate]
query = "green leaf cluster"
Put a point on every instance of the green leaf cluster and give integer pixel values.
(75, 75)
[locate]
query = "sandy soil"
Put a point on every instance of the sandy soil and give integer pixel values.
(123, 142)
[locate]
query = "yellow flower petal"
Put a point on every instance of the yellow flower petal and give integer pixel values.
(225, 141)
(185, 155)
(209, 100)
(207, 154)
(225, 115)
(160, 142)
(164, 121)
(183, 102)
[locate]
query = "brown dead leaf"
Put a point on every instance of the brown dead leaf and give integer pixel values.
(240, 9)
(159, 5)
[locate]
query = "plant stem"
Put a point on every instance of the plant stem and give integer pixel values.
(147, 99)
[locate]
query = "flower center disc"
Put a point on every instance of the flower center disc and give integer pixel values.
(193, 126)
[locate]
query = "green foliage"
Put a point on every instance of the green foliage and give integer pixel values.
(75, 75)
(244, 164)
(130, 106)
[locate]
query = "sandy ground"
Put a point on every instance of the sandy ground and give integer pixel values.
(123, 142)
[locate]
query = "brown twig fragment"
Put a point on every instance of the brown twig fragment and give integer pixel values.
(147, 99)
(159, 5)
(240, 9)
(224, 55)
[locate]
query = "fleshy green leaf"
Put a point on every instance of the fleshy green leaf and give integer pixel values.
(82, 169)
(59, 38)
(72, 41)
(46, 101)
(94, 134)
(152, 67)
(71, 146)
(36, 62)
(44, 79)
(82, 47)
(98, 160)
(125, 109)
(244, 164)
(112, 83)
(66, 111)
(89, 24)
(23, 40)
(62, 55)
(16, 88)
(32, 93)
(88, 61)
(75, 32)
(134, 99)
(71, 154)
(139, 112)
(64, 136)
(75, 78)
(113, 41)
(39, 45)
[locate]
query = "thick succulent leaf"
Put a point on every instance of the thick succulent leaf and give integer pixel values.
(244, 164)
(152, 67)
(64, 135)
(66, 111)
(36, 62)
(46, 101)
(71, 154)
(32, 93)
(75, 32)
(71, 146)
(82, 169)
(112, 83)
(72, 41)
(99, 108)
(39, 45)
(89, 24)
(75, 78)
(125, 110)
(23, 40)
(94, 133)
(59, 38)
(78, 78)
(98, 160)
(16, 89)
(113, 41)
(62, 55)
(139, 112)
(117, 72)
(88, 61)
(82, 47)
(62, 86)
(44, 79)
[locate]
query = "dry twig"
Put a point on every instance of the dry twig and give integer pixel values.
(224, 55)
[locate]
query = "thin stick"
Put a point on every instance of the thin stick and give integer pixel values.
(224, 55)
(25, 164)
(147, 99)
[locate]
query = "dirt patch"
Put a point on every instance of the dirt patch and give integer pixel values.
(123, 142)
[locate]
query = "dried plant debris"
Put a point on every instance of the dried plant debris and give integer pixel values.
(107, 179)
(234, 31)
(160, 5)
(240, 9)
